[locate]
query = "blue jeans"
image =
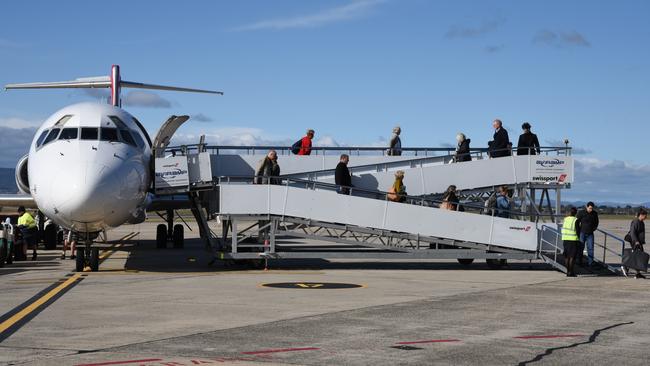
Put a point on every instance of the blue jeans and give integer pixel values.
(588, 239)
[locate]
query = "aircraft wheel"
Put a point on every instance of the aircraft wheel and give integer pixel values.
(49, 237)
(465, 261)
(495, 263)
(80, 261)
(94, 259)
(161, 236)
(179, 236)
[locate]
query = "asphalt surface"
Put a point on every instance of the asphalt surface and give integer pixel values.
(168, 307)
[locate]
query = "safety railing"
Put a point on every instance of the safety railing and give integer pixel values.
(469, 207)
(614, 242)
(550, 244)
(475, 153)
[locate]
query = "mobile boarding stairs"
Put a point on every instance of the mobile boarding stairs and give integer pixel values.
(263, 221)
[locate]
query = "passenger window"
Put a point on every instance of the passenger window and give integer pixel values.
(41, 138)
(138, 139)
(108, 134)
(89, 133)
(51, 136)
(126, 137)
(69, 134)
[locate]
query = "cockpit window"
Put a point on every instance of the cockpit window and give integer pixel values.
(138, 139)
(63, 120)
(41, 138)
(126, 137)
(69, 134)
(118, 122)
(108, 134)
(89, 133)
(52, 135)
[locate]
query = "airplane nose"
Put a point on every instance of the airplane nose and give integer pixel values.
(82, 192)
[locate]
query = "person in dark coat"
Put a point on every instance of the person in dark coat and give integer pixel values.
(637, 236)
(588, 224)
(268, 170)
(499, 145)
(342, 176)
(528, 143)
(462, 149)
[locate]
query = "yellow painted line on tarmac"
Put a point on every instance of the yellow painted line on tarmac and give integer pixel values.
(113, 248)
(42, 300)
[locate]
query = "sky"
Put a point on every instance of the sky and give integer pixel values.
(351, 70)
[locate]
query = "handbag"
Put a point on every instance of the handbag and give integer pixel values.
(635, 259)
(628, 238)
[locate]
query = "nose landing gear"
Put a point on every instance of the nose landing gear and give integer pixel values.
(169, 231)
(87, 256)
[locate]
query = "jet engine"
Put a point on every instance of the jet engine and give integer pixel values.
(22, 178)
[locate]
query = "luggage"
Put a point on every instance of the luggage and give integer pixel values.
(635, 259)
(295, 148)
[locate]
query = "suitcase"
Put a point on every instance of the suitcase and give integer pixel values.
(635, 259)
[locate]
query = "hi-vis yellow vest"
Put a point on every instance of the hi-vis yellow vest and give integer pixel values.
(569, 229)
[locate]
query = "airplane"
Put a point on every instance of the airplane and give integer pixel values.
(90, 165)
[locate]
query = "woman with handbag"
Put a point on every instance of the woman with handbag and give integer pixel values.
(636, 238)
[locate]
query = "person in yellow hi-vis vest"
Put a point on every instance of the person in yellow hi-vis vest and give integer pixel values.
(27, 226)
(570, 239)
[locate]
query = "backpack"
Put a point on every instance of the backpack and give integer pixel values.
(295, 148)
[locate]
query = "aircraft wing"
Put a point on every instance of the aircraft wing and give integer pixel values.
(15, 200)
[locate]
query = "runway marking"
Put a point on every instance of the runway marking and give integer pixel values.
(20, 315)
(121, 362)
(14, 319)
(267, 351)
(312, 285)
(113, 248)
(550, 336)
(431, 341)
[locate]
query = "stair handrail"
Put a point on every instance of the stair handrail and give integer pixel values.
(414, 200)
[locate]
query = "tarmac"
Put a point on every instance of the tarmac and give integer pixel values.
(150, 306)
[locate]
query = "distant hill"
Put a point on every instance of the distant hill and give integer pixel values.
(8, 181)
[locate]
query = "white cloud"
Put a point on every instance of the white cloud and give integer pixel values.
(354, 10)
(609, 180)
(17, 122)
(140, 98)
(560, 39)
(462, 31)
(14, 143)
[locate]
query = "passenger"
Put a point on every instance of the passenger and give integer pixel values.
(27, 227)
(342, 176)
(636, 237)
(268, 170)
(69, 241)
(588, 224)
(395, 147)
(570, 230)
(305, 143)
(498, 147)
(397, 192)
(528, 143)
(450, 199)
(503, 203)
(462, 149)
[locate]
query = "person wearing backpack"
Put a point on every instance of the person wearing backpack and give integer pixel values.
(303, 146)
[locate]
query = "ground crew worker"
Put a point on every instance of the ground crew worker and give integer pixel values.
(27, 226)
(570, 239)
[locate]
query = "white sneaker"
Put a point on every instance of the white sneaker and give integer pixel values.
(624, 270)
